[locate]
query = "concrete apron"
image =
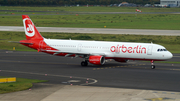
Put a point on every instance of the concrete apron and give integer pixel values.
(89, 93)
(58, 92)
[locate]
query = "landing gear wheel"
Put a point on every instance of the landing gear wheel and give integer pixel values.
(152, 64)
(84, 63)
(153, 67)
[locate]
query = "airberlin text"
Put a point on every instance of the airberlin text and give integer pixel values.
(124, 49)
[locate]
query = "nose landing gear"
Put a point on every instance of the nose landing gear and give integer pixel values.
(152, 64)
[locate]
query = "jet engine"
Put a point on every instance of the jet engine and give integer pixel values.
(97, 60)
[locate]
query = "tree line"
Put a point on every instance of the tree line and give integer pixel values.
(71, 2)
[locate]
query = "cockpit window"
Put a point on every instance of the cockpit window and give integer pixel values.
(160, 50)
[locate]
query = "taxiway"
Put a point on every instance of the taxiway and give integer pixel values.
(96, 30)
(134, 75)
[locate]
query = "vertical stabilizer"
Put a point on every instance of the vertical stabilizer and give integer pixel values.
(30, 29)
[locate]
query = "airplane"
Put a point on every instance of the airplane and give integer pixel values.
(94, 52)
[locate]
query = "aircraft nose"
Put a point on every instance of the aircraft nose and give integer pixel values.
(169, 55)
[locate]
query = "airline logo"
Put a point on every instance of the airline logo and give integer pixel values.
(124, 49)
(29, 27)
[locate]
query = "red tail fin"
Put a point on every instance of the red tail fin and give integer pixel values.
(30, 29)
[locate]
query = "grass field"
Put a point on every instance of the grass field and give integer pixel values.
(170, 42)
(121, 21)
(127, 21)
(20, 84)
(89, 9)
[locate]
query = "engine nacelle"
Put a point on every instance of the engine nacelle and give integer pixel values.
(121, 60)
(97, 60)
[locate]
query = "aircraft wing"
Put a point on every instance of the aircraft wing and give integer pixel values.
(71, 53)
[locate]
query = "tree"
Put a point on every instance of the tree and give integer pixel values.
(73, 2)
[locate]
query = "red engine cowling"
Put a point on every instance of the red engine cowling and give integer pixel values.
(97, 60)
(121, 60)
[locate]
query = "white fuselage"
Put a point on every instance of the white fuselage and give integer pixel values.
(94, 52)
(124, 50)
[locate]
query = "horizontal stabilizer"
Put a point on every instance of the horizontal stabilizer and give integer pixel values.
(21, 42)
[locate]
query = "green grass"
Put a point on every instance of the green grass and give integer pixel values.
(120, 21)
(27, 13)
(20, 84)
(170, 42)
(172, 62)
(90, 9)
(169, 62)
(12, 36)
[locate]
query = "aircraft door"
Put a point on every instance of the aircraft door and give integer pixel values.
(149, 52)
(79, 47)
(41, 45)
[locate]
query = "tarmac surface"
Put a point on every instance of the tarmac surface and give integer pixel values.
(132, 81)
(96, 30)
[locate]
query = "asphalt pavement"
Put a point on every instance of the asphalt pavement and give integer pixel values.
(66, 75)
(96, 30)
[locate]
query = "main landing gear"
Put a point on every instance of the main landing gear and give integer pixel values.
(152, 65)
(84, 63)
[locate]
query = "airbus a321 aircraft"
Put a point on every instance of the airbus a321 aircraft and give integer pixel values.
(94, 52)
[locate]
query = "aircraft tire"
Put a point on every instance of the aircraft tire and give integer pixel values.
(84, 63)
(153, 67)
